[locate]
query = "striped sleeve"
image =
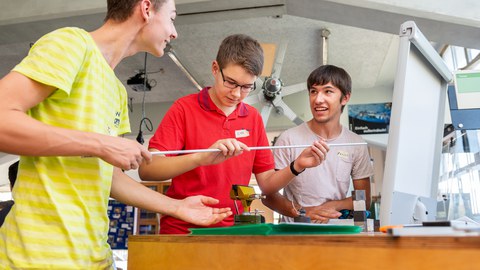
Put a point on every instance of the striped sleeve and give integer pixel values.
(47, 62)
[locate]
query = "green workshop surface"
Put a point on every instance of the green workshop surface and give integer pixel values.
(279, 229)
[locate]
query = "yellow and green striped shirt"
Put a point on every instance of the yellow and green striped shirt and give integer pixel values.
(59, 220)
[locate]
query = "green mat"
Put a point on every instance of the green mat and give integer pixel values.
(278, 229)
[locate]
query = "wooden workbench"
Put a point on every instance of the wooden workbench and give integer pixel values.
(356, 252)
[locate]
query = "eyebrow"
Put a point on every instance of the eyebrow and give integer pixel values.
(236, 82)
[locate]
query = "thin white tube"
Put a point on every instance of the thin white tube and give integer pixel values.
(251, 148)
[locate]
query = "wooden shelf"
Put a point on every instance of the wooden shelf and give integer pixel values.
(149, 222)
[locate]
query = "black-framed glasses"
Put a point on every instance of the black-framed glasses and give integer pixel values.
(246, 88)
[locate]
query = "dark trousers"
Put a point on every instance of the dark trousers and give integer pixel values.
(4, 209)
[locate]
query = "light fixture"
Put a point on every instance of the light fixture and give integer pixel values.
(139, 83)
(171, 53)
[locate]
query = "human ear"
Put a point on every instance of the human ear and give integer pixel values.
(146, 9)
(215, 67)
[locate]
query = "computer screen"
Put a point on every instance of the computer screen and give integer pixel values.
(464, 97)
(467, 89)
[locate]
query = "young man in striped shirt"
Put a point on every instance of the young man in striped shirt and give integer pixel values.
(62, 109)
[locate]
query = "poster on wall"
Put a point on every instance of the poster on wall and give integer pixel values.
(373, 118)
(121, 225)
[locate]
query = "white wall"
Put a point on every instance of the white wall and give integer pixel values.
(298, 102)
(374, 95)
(5, 161)
(153, 111)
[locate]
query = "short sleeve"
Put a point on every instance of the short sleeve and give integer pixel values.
(55, 59)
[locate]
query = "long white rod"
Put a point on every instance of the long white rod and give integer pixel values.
(251, 148)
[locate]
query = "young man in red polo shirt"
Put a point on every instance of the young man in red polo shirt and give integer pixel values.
(217, 118)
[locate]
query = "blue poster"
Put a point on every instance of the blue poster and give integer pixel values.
(373, 118)
(121, 224)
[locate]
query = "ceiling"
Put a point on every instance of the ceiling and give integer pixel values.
(363, 35)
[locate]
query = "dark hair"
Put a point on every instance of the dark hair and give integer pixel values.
(337, 76)
(121, 10)
(241, 50)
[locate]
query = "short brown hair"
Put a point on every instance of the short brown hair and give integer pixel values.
(121, 10)
(241, 50)
(337, 76)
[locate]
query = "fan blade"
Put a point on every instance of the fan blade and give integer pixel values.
(289, 113)
(268, 58)
(258, 83)
(277, 67)
(267, 108)
(291, 89)
(253, 98)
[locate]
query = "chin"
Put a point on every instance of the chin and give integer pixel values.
(321, 120)
(158, 53)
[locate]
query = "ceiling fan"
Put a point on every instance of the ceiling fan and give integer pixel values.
(272, 87)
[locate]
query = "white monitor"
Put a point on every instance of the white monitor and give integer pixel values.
(412, 162)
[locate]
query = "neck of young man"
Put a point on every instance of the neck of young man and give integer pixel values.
(115, 41)
(227, 110)
(327, 130)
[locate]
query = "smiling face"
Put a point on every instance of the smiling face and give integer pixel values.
(159, 29)
(329, 89)
(326, 102)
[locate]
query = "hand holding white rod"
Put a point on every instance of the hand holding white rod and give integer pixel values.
(251, 148)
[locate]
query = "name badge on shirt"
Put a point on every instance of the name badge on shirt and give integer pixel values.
(242, 133)
(343, 155)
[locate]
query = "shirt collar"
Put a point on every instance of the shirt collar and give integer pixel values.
(207, 104)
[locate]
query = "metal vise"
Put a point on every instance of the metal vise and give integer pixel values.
(245, 194)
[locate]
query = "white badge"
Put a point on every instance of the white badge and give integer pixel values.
(343, 155)
(242, 133)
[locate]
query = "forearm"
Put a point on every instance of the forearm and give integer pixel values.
(130, 192)
(338, 205)
(23, 135)
(272, 181)
(163, 168)
(347, 203)
(281, 205)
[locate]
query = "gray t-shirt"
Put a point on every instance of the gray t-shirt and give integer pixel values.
(331, 179)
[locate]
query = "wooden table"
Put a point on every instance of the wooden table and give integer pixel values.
(356, 252)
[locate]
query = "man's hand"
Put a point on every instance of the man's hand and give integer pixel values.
(228, 148)
(195, 210)
(123, 153)
(321, 213)
(312, 156)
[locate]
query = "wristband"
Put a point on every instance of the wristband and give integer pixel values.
(292, 169)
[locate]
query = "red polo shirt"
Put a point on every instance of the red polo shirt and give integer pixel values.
(195, 122)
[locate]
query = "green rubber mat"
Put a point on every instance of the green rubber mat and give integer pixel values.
(279, 229)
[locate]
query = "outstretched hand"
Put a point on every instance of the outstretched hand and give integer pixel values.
(196, 210)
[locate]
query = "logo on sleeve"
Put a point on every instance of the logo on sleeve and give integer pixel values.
(116, 121)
